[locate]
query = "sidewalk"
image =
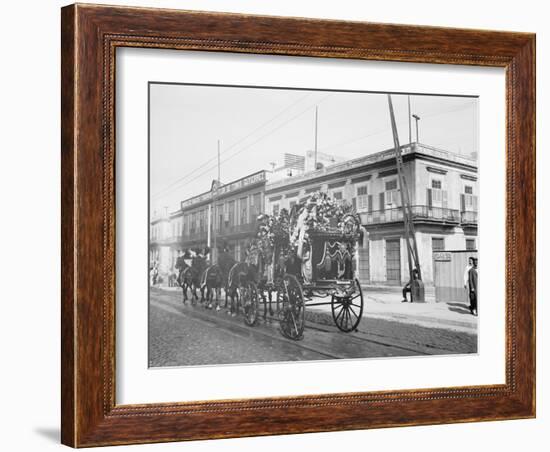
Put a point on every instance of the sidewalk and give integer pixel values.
(384, 302)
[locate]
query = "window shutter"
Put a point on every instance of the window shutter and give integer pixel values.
(369, 201)
(462, 202)
(475, 203)
(429, 197)
(444, 198)
(354, 203)
(382, 207)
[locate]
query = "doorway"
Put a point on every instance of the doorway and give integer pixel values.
(393, 261)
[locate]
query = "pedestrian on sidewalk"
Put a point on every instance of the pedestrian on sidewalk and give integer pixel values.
(407, 288)
(469, 265)
(467, 271)
(472, 286)
(154, 273)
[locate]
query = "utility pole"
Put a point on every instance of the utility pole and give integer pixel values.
(416, 285)
(213, 210)
(209, 233)
(316, 119)
(416, 117)
(409, 121)
(218, 161)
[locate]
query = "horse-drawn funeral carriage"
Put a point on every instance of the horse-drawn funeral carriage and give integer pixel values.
(301, 258)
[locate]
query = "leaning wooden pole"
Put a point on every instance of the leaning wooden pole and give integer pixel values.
(410, 236)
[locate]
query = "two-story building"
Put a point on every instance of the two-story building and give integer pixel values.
(443, 194)
(225, 215)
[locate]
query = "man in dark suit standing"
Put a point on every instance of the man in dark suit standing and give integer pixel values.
(472, 287)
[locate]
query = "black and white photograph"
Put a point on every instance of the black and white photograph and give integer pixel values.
(290, 224)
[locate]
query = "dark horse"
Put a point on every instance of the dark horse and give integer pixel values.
(238, 276)
(212, 281)
(190, 278)
(225, 263)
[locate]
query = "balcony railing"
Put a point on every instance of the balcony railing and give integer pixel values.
(468, 217)
(236, 229)
(171, 239)
(202, 235)
(419, 213)
(195, 235)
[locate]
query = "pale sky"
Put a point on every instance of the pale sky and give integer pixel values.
(256, 126)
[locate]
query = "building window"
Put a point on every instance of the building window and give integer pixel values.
(244, 210)
(470, 244)
(231, 213)
(337, 196)
(275, 209)
(255, 206)
(202, 217)
(438, 244)
(220, 217)
(391, 185)
(391, 197)
(362, 198)
(467, 200)
(436, 197)
(436, 192)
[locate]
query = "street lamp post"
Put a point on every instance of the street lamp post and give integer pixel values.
(416, 118)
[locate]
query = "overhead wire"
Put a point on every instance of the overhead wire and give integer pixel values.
(384, 130)
(180, 179)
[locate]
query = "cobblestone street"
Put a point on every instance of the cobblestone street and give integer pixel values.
(192, 335)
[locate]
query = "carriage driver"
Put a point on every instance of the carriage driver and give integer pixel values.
(180, 265)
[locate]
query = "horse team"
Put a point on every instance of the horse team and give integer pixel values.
(196, 276)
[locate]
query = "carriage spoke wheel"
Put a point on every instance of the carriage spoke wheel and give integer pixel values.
(292, 316)
(347, 310)
(250, 303)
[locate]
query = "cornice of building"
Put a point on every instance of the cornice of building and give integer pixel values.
(382, 159)
(237, 186)
(159, 219)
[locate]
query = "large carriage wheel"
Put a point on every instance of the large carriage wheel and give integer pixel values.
(249, 300)
(348, 309)
(292, 316)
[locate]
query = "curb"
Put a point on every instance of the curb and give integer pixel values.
(325, 318)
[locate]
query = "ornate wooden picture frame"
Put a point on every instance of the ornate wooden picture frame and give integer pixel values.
(90, 37)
